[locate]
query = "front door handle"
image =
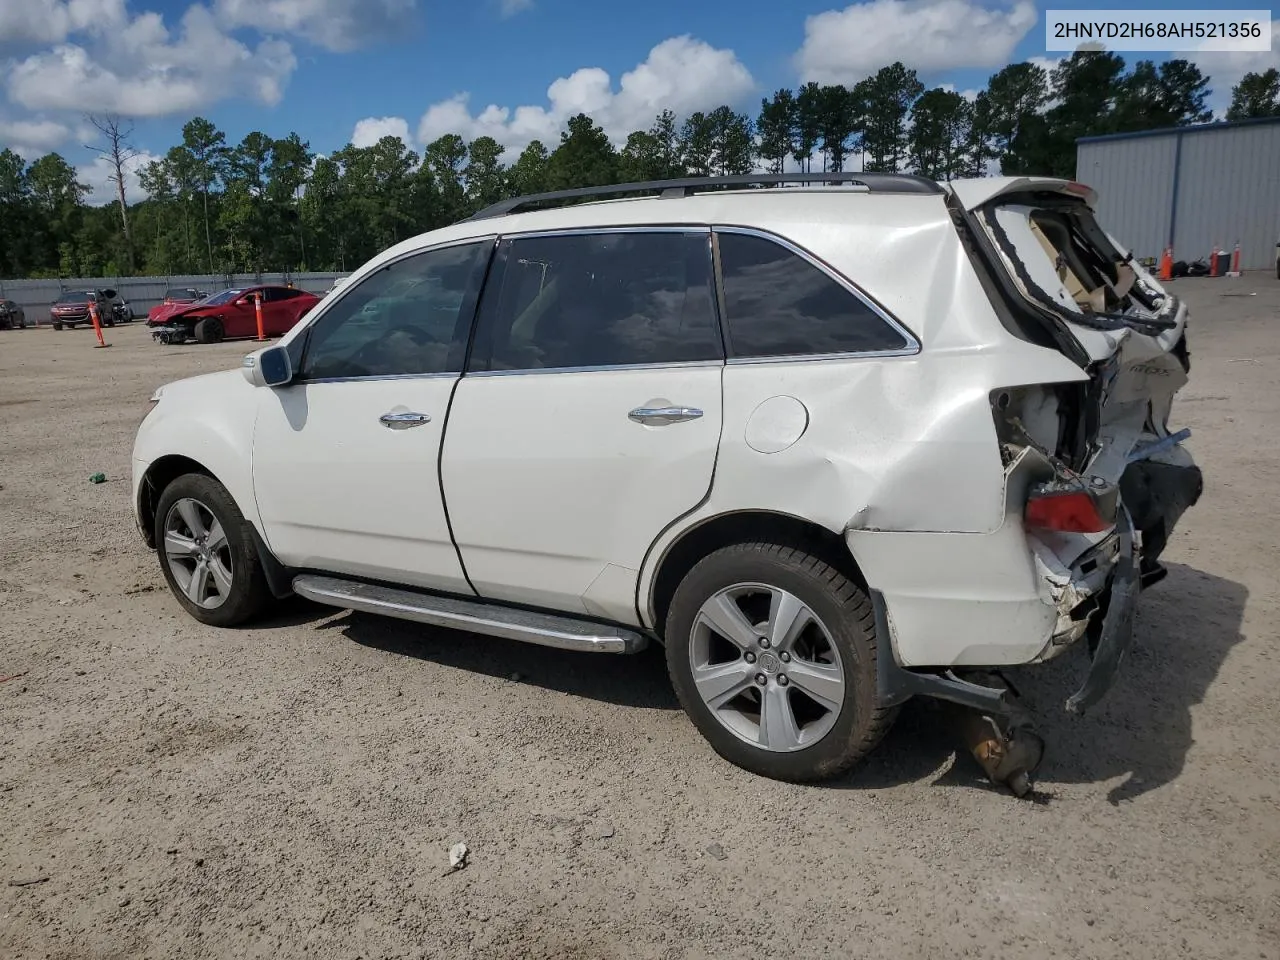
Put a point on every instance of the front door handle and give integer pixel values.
(662, 416)
(403, 421)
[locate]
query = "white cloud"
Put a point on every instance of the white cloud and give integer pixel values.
(52, 21)
(971, 94)
(509, 8)
(1225, 70)
(372, 129)
(333, 24)
(1047, 64)
(681, 74)
(32, 138)
(141, 69)
(98, 173)
(843, 46)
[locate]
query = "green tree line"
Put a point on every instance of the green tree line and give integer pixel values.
(268, 204)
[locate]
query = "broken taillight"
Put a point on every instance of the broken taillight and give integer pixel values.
(1066, 511)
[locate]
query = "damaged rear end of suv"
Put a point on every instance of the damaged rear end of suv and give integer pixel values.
(1100, 473)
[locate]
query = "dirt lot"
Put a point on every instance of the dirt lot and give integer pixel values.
(171, 790)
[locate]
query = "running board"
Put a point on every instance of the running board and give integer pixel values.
(545, 629)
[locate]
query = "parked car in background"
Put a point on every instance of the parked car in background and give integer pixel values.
(233, 313)
(176, 296)
(72, 308)
(121, 312)
(12, 316)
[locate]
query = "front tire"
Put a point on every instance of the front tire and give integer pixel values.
(209, 330)
(57, 326)
(772, 653)
(207, 552)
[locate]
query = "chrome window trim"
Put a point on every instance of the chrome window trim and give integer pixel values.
(687, 228)
(912, 346)
(448, 374)
(607, 368)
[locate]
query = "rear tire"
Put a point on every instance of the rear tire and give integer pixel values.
(57, 326)
(209, 330)
(208, 554)
(803, 628)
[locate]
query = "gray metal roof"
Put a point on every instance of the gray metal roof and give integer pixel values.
(1190, 128)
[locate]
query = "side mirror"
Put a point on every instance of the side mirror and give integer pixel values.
(269, 367)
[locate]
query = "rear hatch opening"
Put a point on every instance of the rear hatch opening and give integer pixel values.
(1094, 464)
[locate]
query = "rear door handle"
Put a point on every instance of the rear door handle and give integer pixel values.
(403, 421)
(663, 416)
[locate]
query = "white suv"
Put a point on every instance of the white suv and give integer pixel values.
(832, 446)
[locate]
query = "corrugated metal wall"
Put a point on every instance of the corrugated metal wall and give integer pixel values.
(1228, 190)
(1134, 180)
(143, 293)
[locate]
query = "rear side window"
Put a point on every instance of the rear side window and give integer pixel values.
(599, 300)
(778, 304)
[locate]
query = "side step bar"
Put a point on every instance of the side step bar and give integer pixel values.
(546, 629)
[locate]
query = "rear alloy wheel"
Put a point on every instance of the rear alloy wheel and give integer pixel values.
(208, 554)
(772, 653)
(209, 330)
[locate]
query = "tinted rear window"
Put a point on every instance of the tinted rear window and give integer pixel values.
(778, 304)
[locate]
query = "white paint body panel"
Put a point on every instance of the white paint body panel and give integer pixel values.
(556, 495)
(208, 419)
(339, 491)
(558, 500)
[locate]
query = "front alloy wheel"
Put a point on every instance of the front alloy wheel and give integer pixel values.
(208, 553)
(198, 553)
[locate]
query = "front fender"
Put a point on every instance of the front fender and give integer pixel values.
(207, 420)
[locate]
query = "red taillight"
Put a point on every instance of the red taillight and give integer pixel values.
(1067, 512)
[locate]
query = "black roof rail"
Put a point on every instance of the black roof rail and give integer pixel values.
(874, 182)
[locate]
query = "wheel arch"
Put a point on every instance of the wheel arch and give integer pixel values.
(168, 468)
(159, 475)
(741, 526)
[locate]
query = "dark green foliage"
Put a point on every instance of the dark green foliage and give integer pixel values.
(269, 204)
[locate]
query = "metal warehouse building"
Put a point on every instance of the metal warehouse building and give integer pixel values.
(1189, 188)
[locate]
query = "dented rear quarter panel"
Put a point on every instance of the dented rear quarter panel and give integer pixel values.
(899, 454)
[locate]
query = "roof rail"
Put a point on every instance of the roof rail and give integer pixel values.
(874, 182)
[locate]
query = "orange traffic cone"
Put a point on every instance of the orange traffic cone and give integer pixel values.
(1166, 264)
(1235, 261)
(1213, 260)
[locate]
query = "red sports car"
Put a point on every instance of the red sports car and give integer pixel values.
(232, 313)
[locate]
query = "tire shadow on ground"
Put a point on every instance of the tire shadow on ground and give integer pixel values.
(1186, 627)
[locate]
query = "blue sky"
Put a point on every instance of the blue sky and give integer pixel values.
(334, 70)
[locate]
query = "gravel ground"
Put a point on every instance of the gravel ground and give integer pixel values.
(171, 790)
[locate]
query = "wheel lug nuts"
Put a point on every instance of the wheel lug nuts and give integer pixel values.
(751, 657)
(761, 679)
(784, 657)
(782, 680)
(764, 643)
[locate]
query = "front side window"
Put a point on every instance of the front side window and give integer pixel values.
(599, 299)
(405, 319)
(778, 304)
